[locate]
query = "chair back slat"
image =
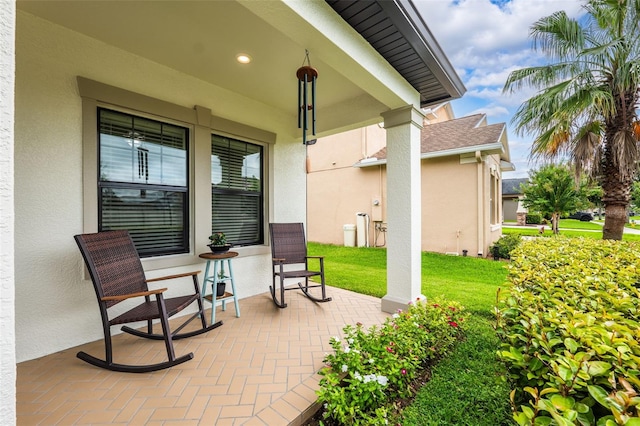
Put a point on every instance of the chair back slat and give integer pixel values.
(288, 242)
(113, 263)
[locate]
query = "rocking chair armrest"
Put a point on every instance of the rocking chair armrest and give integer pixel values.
(170, 277)
(129, 296)
(278, 259)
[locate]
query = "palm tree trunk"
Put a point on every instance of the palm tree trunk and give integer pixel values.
(616, 192)
(614, 221)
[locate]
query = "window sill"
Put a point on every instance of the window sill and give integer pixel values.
(496, 227)
(177, 260)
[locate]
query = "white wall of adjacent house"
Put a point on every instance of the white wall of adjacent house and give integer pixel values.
(55, 306)
(7, 281)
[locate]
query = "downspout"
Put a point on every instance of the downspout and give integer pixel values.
(363, 147)
(479, 212)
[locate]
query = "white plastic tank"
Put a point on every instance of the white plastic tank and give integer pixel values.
(349, 235)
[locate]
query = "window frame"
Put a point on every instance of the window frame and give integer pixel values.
(261, 195)
(185, 190)
(201, 123)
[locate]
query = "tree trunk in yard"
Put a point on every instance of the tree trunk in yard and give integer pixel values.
(614, 220)
(555, 219)
(616, 193)
(619, 165)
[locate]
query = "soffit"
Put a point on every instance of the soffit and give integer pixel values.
(202, 38)
(397, 31)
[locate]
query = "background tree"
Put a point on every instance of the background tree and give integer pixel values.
(635, 195)
(593, 193)
(585, 109)
(552, 191)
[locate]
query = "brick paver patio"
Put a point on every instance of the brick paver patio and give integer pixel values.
(259, 369)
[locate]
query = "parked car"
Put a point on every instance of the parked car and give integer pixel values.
(582, 216)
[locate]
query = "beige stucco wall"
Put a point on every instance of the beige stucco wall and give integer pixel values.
(337, 197)
(338, 190)
(55, 307)
(449, 206)
(451, 219)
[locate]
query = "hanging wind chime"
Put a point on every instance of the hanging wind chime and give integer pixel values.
(307, 75)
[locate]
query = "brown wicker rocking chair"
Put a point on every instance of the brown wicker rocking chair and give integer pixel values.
(288, 247)
(117, 275)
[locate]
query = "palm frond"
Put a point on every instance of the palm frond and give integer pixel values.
(551, 143)
(587, 147)
(537, 77)
(635, 128)
(557, 35)
(624, 147)
(586, 106)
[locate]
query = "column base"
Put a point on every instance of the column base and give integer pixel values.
(391, 304)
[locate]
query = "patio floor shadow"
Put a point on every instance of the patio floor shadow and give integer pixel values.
(259, 369)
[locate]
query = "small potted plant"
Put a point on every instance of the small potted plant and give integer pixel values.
(218, 242)
(221, 283)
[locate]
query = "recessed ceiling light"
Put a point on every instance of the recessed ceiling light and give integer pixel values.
(243, 58)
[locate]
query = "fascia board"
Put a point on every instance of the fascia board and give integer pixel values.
(487, 149)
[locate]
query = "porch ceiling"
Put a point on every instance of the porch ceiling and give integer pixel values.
(202, 39)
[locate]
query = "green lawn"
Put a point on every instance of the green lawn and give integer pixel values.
(565, 233)
(466, 388)
(577, 224)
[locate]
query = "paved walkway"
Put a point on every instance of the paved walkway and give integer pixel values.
(259, 369)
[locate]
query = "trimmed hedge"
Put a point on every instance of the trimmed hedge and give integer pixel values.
(533, 219)
(570, 332)
(504, 246)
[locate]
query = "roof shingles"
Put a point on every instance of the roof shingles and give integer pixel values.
(456, 134)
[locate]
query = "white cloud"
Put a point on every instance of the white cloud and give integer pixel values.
(491, 111)
(485, 42)
(481, 27)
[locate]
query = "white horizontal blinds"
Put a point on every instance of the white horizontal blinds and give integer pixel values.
(143, 181)
(237, 190)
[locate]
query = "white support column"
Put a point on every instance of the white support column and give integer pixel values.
(404, 216)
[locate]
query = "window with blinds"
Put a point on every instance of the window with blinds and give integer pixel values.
(237, 190)
(142, 183)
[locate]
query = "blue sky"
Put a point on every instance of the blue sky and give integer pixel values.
(485, 40)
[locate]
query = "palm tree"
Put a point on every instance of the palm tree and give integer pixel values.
(585, 107)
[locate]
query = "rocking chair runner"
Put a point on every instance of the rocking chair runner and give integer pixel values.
(288, 247)
(117, 275)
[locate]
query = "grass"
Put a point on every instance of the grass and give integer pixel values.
(566, 232)
(578, 224)
(466, 388)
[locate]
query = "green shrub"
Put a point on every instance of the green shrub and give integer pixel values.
(569, 332)
(504, 246)
(534, 219)
(372, 368)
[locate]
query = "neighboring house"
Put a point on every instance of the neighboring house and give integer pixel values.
(461, 168)
(138, 112)
(511, 198)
